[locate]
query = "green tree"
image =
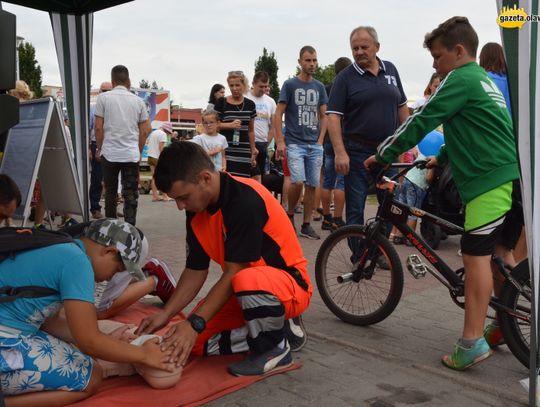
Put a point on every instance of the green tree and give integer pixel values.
(156, 86)
(267, 62)
(145, 84)
(29, 69)
(325, 74)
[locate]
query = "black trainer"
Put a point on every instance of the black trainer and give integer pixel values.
(255, 365)
(328, 225)
(295, 333)
(309, 232)
(338, 222)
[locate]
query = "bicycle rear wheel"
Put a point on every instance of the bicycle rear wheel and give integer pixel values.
(515, 324)
(350, 279)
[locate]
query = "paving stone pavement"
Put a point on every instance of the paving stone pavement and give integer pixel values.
(393, 363)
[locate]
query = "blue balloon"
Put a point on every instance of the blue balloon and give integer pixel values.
(431, 143)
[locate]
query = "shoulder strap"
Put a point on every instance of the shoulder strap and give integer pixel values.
(9, 294)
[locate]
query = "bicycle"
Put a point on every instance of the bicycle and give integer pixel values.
(355, 287)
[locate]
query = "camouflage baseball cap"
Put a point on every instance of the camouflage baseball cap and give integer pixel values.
(130, 242)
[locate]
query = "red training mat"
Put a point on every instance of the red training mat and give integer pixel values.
(203, 378)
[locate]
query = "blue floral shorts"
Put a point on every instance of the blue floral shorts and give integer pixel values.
(42, 362)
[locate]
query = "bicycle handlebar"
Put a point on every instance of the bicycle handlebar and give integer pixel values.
(406, 168)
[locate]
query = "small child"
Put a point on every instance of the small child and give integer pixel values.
(211, 141)
(412, 192)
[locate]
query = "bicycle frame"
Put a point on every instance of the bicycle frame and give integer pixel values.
(397, 213)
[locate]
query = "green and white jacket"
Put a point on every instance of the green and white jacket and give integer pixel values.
(479, 141)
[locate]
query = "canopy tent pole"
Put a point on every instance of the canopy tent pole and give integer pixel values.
(73, 40)
(521, 51)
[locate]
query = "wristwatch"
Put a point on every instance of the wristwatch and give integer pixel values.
(197, 323)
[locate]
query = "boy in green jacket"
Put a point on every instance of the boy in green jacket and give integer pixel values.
(480, 148)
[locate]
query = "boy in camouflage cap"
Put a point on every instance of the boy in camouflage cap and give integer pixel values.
(67, 373)
(121, 291)
(128, 240)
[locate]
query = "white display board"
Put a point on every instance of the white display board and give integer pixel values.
(37, 148)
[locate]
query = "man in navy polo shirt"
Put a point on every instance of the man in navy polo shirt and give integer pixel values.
(368, 102)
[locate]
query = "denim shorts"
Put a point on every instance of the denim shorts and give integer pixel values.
(42, 362)
(305, 162)
(412, 195)
(332, 180)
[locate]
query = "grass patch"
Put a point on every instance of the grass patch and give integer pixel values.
(372, 200)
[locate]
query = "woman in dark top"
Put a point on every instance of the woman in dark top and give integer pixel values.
(217, 91)
(237, 117)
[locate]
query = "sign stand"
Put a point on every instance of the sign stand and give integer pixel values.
(37, 148)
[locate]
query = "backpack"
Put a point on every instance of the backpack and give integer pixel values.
(15, 240)
(449, 198)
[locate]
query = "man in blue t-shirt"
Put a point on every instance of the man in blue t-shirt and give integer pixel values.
(367, 104)
(303, 101)
(37, 364)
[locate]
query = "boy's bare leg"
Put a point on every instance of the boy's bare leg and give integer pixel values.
(412, 223)
(326, 198)
(39, 216)
(293, 195)
(498, 280)
(309, 202)
(339, 203)
(316, 202)
(155, 193)
(285, 191)
(56, 397)
(520, 252)
(478, 289)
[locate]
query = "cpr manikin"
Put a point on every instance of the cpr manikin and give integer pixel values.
(156, 378)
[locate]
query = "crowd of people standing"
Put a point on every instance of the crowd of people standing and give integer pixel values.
(233, 220)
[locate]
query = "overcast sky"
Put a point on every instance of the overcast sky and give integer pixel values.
(186, 45)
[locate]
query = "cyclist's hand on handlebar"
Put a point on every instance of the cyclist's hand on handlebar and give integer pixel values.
(370, 162)
(431, 161)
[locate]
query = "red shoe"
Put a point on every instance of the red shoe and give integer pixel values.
(166, 283)
(493, 335)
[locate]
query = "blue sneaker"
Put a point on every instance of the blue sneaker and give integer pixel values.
(463, 358)
(254, 365)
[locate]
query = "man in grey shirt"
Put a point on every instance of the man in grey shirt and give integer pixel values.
(121, 125)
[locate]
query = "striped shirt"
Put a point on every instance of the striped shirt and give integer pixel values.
(238, 154)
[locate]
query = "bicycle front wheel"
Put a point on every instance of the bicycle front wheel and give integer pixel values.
(515, 322)
(360, 283)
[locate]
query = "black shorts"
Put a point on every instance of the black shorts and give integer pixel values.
(504, 231)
